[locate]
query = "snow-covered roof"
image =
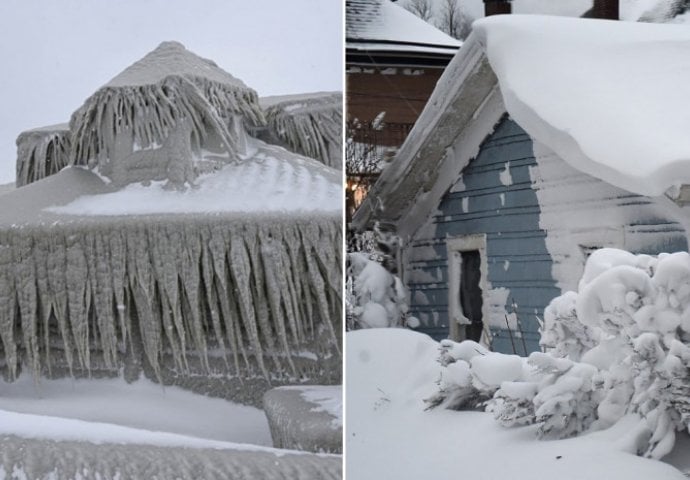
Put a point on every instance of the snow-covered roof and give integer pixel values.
(605, 96)
(172, 58)
(272, 181)
(385, 26)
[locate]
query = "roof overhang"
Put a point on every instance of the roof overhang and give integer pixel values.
(427, 165)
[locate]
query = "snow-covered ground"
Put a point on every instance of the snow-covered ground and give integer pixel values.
(390, 435)
(112, 411)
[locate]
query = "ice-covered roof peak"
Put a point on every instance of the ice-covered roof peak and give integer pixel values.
(171, 58)
(606, 96)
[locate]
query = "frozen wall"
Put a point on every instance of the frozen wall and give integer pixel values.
(581, 213)
(493, 196)
(185, 299)
(541, 219)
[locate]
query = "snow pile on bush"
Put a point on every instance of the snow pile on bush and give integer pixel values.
(378, 296)
(375, 296)
(620, 345)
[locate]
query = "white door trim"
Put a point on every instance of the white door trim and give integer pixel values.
(456, 319)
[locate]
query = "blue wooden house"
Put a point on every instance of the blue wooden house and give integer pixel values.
(493, 223)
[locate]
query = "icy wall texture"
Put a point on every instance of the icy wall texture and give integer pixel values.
(310, 125)
(42, 152)
(172, 294)
(48, 459)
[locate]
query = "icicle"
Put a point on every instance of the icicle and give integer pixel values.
(98, 289)
(273, 288)
(42, 152)
(310, 126)
(260, 289)
(76, 296)
(240, 268)
(7, 310)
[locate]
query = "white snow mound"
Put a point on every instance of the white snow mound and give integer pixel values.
(605, 96)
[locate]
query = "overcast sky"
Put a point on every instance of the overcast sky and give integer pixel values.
(56, 53)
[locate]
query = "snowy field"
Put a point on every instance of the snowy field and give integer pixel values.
(390, 435)
(112, 411)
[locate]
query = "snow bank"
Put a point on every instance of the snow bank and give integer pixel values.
(603, 95)
(390, 435)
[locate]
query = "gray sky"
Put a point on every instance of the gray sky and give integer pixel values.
(55, 53)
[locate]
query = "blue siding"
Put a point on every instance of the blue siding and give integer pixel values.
(515, 245)
(513, 235)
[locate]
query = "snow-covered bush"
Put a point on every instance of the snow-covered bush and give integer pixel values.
(378, 297)
(375, 296)
(620, 345)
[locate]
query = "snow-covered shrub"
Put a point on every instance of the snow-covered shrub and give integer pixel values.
(375, 296)
(618, 346)
(378, 297)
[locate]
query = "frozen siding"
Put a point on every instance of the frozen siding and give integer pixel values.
(539, 226)
(519, 266)
(581, 213)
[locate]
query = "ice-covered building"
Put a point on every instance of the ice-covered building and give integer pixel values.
(546, 138)
(175, 244)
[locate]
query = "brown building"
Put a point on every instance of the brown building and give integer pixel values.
(393, 61)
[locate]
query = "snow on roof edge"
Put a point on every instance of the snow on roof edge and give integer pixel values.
(621, 141)
(395, 181)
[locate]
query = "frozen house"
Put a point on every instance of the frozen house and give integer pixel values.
(156, 238)
(545, 139)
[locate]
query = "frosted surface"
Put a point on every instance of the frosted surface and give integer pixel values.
(271, 181)
(603, 95)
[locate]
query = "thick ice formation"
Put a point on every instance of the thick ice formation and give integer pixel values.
(167, 90)
(42, 152)
(272, 180)
(224, 284)
(50, 460)
(309, 124)
(181, 284)
(603, 95)
(307, 417)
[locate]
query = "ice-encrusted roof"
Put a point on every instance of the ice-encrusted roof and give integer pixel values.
(149, 98)
(384, 25)
(605, 96)
(172, 58)
(616, 86)
(271, 181)
(308, 124)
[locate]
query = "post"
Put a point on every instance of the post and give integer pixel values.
(496, 7)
